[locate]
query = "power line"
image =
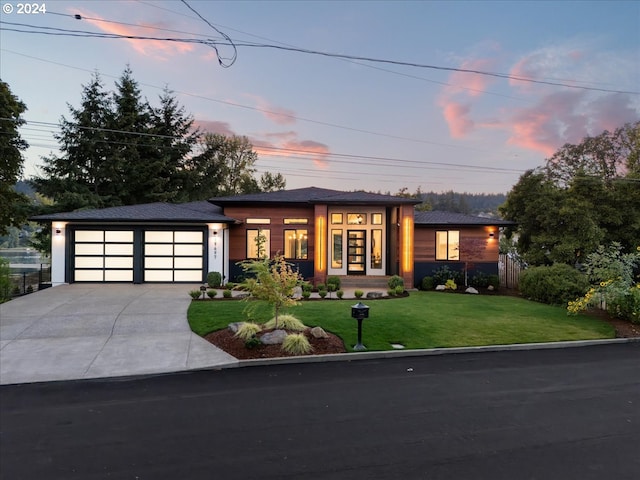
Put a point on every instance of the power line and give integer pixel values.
(214, 43)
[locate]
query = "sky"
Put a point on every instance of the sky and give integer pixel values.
(381, 98)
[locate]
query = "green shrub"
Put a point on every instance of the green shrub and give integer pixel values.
(195, 294)
(399, 290)
(306, 294)
(358, 293)
(5, 280)
(395, 281)
(296, 344)
(322, 293)
(212, 293)
(556, 284)
(230, 286)
(450, 285)
(253, 342)
(479, 280)
(214, 279)
(335, 281)
(494, 281)
(321, 286)
(444, 273)
(288, 322)
(391, 292)
(248, 330)
(227, 293)
(307, 287)
(427, 283)
(340, 294)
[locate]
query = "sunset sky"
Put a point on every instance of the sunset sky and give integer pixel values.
(347, 123)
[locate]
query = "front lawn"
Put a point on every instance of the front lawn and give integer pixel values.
(423, 320)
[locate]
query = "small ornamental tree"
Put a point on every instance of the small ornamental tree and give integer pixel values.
(271, 281)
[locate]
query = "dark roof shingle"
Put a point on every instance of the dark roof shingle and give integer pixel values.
(452, 218)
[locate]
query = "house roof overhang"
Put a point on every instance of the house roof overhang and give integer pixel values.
(160, 212)
(439, 218)
(312, 196)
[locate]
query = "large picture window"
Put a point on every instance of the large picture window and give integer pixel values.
(258, 243)
(336, 248)
(448, 245)
(295, 244)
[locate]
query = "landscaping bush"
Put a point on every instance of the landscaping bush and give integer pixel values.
(214, 279)
(395, 281)
(479, 280)
(399, 290)
(322, 293)
(247, 330)
(450, 285)
(444, 273)
(296, 344)
(335, 281)
(494, 281)
(212, 293)
(556, 284)
(306, 294)
(307, 287)
(358, 293)
(195, 294)
(287, 322)
(427, 283)
(321, 286)
(340, 294)
(227, 293)
(391, 292)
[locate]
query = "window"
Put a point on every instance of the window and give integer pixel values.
(258, 243)
(336, 218)
(295, 244)
(336, 248)
(293, 221)
(254, 221)
(448, 245)
(357, 218)
(376, 249)
(376, 219)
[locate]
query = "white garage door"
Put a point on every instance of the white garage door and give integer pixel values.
(103, 256)
(173, 256)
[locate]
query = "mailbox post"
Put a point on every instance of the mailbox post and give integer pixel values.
(359, 311)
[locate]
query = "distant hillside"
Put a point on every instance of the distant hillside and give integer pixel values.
(470, 203)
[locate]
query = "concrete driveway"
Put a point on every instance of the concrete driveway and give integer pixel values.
(82, 331)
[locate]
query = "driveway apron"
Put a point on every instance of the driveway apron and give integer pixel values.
(82, 331)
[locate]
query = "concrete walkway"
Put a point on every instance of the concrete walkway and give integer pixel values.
(83, 331)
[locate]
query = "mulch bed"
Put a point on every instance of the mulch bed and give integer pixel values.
(227, 341)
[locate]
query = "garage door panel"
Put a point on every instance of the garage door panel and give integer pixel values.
(103, 255)
(89, 262)
(188, 250)
(118, 275)
(158, 262)
(176, 256)
(89, 249)
(119, 249)
(188, 275)
(187, 262)
(188, 237)
(89, 275)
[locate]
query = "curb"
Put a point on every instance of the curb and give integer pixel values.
(342, 357)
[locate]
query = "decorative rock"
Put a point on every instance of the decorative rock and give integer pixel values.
(374, 295)
(441, 288)
(233, 327)
(318, 332)
(471, 290)
(490, 288)
(242, 295)
(273, 338)
(297, 293)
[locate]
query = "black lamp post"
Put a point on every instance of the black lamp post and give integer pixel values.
(359, 311)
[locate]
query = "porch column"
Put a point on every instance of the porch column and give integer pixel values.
(406, 245)
(320, 243)
(217, 250)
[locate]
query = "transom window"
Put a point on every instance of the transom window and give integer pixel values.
(448, 245)
(295, 244)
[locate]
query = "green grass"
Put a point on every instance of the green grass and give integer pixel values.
(423, 320)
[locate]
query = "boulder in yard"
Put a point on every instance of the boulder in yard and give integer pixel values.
(441, 288)
(273, 338)
(471, 290)
(318, 332)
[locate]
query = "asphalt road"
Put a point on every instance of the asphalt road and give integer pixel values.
(546, 414)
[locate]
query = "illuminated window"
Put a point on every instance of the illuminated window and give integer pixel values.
(357, 218)
(294, 221)
(336, 248)
(295, 244)
(448, 245)
(258, 243)
(253, 221)
(336, 218)
(376, 219)
(376, 249)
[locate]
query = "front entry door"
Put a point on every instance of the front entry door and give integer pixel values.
(356, 254)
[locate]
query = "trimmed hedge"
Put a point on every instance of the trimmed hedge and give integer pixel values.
(556, 284)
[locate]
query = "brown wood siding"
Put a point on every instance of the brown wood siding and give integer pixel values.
(425, 242)
(277, 214)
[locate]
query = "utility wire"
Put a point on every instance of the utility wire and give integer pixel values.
(214, 43)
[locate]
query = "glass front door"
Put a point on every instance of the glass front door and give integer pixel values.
(356, 254)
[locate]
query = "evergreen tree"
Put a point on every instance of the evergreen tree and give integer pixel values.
(14, 204)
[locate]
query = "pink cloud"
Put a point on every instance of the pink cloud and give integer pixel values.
(457, 117)
(212, 126)
(287, 145)
(156, 48)
(471, 84)
(278, 115)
